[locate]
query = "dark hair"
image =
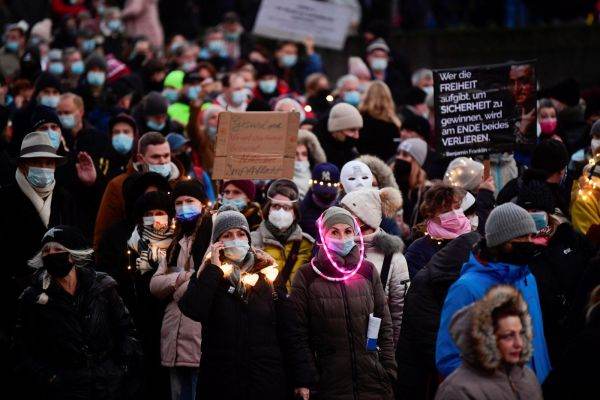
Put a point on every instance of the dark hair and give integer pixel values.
(150, 138)
(439, 199)
(508, 309)
(290, 194)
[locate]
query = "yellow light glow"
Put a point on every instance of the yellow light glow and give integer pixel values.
(270, 272)
(226, 268)
(249, 279)
(329, 98)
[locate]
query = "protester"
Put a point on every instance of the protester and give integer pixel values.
(355, 175)
(123, 135)
(339, 142)
(227, 295)
(495, 336)
(349, 285)
(279, 235)
(73, 352)
(501, 258)
(323, 193)
(240, 194)
(309, 153)
(369, 206)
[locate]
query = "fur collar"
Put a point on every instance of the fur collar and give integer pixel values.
(384, 242)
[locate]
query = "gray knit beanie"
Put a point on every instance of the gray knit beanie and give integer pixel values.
(344, 116)
(337, 215)
(507, 221)
(595, 131)
(229, 218)
(416, 147)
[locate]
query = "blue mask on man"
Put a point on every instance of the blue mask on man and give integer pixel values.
(288, 60)
(162, 169)
(155, 126)
(267, 85)
(40, 177)
(50, 101)
(352, 97)
(77, 68)
(56, 68)
(122, 143)
(54, 137)
(96, 78)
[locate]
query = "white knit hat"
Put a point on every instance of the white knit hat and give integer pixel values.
(371, 205)
(416, 147)
(344, 116)
(465, 173)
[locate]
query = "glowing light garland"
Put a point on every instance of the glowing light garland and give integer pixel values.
(587, 192)
(346, 275)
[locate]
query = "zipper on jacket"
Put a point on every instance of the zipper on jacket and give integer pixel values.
(351, 342)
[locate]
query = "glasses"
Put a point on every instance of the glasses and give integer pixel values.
(279, 206)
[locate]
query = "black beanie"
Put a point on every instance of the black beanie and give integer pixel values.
(47, 80)
(95, 61)
(153, 201)
(566, 91)
(155, 104)
(415, 96)
(43, 115)
(189, 187)
(124, 118)
(136, 184)
(68, 236)
(550, 156)
(535, 195)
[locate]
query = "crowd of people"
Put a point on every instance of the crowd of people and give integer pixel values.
(379, 270)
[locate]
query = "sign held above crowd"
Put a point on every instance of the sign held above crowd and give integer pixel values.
(293, 20)
(485, 109)
(256, 145)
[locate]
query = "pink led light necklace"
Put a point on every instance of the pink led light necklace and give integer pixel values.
(346, 274)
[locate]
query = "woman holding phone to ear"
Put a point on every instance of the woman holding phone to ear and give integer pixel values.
(337, 296)
(232, 296)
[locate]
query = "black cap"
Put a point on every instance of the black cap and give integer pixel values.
(47, 80)
(153, 201)
(417, 124)
(68, 236)
(43, 115)
(550, 156)
(155, 104)
(124, 118)
(535, 195)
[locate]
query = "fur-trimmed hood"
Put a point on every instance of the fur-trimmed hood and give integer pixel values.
(381, 171)
(384, 242)
(472, 328)
(315, 150)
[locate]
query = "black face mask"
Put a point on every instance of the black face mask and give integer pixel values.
(57, 264)
(402, 169)
(186, 160)
(522, 253)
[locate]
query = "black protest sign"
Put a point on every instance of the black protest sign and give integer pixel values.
(485, 109)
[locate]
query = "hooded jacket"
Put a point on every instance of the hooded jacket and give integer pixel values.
(330, 335)
(476, 277)
(482, 374)
(241, 355)
(378, 245)
(415, 352)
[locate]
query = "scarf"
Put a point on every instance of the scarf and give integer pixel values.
(151, 247)
(41, 198)
(450, 226)
(238, 268)
(347, 263)
(281, 236)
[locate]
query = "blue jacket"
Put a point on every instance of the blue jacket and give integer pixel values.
(475, 280)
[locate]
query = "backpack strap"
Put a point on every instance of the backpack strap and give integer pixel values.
(290, 261)
(385, 269)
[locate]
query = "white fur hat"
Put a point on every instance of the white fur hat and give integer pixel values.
(371, 205)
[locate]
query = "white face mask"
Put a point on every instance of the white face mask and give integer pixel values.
(356, 175)
(595, 145)
(281, 219)
(236, 250)
(301, 167)
(474, 220)
(156, 222)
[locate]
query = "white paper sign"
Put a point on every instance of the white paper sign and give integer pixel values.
(294, 20)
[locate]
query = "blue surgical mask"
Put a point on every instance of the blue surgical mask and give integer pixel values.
(268, 85)
(67, 121)
(122, 143)
(175, 46)
(235, 250)
(49, 101)
(216, 46)
(162, 169)
(193, 92)
(239, 203)
(288, 60)
(56, 68)
(114, 25)
(341, 247)
(352, 97)
(88, 45)
(212, 132)
(189, 66)
(96, 78)
(171, 95)
(232, 36)
(155, 126)
(54, 138)
(379, 63)
(40, 177)
(187, 212)
(77, 68)
(540, 218)
(12, 46)
(238, 97)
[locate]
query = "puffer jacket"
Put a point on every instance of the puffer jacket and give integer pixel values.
(330, 335)
(241, 353)
(180, 337)
(263, 239)
(74, 347)
(482, 374)
(378, 245)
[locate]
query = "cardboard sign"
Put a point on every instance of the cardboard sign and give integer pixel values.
(485, 109)
(256, 145)
(295, 19)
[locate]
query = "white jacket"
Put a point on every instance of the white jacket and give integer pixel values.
(377, 245)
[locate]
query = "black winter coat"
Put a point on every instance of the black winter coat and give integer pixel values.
(75, 347)
(377, 137)
(558, 270)
(415, 351)
(241, 354)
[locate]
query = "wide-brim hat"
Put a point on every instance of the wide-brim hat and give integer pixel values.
(38, 145)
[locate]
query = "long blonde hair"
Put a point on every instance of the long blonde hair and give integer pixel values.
(379, 104)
